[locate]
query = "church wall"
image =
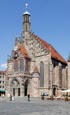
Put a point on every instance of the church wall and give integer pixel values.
(47, 65)
(54, 76)
(64, 80)
(68, 74)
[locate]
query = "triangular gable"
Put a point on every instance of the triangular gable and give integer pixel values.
(23, 51)
(54, 53)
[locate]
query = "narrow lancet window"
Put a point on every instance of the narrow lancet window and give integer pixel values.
(41, 74)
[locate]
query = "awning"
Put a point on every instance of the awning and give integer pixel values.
(66, 91)
(2, 91)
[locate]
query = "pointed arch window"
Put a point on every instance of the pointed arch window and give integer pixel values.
(27, 66)
(21, 64)
(15, 65)
(41, 74)
(26, 27)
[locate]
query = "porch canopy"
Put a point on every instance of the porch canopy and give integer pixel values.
(66, 91)
(2, 91)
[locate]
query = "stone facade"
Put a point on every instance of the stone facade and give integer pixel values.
(69, 74)
(34, 66)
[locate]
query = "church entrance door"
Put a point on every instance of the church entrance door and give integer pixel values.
(54, 90)
(15, 87)
(18, 91)
(13, 91)
(25, 88)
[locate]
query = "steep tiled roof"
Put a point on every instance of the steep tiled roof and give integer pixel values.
(54, 53)
(23, 51)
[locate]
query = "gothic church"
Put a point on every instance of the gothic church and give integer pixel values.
(34, 66)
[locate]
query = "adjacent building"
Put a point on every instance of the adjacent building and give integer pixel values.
(2, 82)
(35, 67)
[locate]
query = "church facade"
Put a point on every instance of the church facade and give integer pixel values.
(34, 66)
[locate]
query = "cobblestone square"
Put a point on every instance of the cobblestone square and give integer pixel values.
(36, 106)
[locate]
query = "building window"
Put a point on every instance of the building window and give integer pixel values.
(27, 66)
(26, 27)
(41, 74)
(15, 65)
(22, 65)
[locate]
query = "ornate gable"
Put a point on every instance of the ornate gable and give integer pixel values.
(34, 46)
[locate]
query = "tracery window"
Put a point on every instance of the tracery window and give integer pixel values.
(22, 65)
(15, 65)
(15, 83)
(27, 66)
(41, 74)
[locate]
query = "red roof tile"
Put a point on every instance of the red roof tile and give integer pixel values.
(23, 51)
(54, 53)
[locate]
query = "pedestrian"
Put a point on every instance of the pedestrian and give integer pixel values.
(28, 97)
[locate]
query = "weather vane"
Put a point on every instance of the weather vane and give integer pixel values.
(26, 5)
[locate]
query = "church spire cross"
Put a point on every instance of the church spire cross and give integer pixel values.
(26, 5)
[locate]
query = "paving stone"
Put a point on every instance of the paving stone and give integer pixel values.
(21, 106)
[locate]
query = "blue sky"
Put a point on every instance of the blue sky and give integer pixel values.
(50, 20)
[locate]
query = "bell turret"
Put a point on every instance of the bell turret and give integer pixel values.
(26, 22)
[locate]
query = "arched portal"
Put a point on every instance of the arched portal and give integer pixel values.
(54, 91)
(15, 87)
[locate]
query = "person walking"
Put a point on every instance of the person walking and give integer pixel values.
(28, 97)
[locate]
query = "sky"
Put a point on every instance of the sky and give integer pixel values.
(50, 20)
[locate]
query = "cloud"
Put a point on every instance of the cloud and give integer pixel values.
(3, 65)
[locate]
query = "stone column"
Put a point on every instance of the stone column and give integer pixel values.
(46, 75)
(68, 74)
(51, 75)
(56, 75)
(22, 87)
(63, 78)
(22, 91)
